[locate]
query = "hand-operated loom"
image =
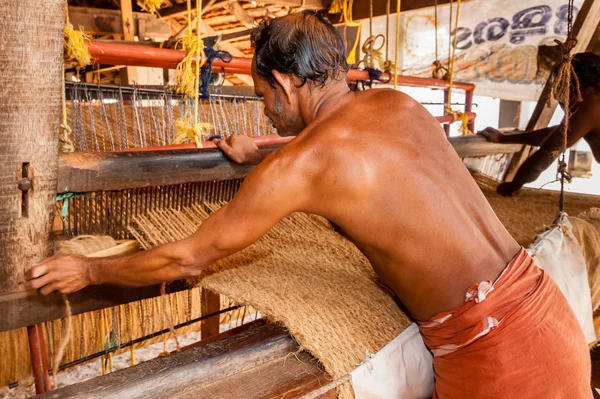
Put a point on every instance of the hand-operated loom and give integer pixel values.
(126, 171)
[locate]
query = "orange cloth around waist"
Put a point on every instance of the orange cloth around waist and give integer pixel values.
(514, 338)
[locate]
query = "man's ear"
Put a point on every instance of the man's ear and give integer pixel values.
(286, 83)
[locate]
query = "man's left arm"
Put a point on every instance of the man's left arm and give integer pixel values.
(271, 192)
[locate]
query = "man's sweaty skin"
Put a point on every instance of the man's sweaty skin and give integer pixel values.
(375, 163)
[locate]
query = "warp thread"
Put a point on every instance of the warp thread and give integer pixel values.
(64, 341)
(167, 319)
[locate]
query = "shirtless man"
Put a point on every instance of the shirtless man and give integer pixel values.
(377, 165)
(584, 123)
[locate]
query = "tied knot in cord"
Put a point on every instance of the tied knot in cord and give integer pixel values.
(374, 74)
(561, 87)
(439, 71)
(206, 70)
(373, 53)
(464, 121)
(563, 176)
(65, 144)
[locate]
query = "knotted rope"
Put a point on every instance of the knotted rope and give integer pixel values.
(187, 79)
(564, 82)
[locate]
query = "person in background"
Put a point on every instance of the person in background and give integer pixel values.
(584, 123)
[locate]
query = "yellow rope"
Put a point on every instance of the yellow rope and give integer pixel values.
(64, 341)
(337, 7)
(187, 80)
(65, 144)
(74, 43)
(561, 87)
(458, 116)
(345, 8)
(398, 3)
(130, 326)
(151, 5)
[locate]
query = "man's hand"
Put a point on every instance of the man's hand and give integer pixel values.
(61, 273)
(241, 149)
(493, 135)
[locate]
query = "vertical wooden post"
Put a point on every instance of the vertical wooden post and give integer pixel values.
(128, 74)
(211, 303)
(469, 108)
(31, 68)
(39, 359)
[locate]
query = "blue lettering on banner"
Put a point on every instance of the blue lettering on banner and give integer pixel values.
(532, 21)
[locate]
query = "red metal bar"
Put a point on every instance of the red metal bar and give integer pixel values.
(261, 141)
(39, 359)
(135, 55)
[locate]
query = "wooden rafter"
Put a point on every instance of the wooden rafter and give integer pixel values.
(181, 9)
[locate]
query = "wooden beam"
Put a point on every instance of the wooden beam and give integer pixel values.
(128, 74)
(240, 14)
(181, 9)
(88, 172)
(27, 308)
(360, 9)
(584, 27)
(207, 368)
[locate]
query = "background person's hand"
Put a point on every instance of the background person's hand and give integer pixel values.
(61, 273)
(493, 135)
(240, 149)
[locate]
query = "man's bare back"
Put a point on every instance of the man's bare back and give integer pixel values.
(384, 173)
(375, 163)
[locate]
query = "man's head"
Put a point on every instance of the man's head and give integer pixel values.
(295, 55)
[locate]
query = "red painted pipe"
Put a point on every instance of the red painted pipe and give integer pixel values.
(261, 141)
(39, 359)
(136, 55)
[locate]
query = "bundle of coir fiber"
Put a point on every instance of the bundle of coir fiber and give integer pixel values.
(303, 274)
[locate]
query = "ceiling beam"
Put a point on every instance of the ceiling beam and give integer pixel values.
(360, 9)
(584, 28)
(181, 9)
(242, 15)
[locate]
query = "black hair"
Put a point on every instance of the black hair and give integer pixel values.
(304, 44)
(587, 69)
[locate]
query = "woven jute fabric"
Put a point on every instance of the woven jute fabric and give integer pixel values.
(303, 274)
(586, 228)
